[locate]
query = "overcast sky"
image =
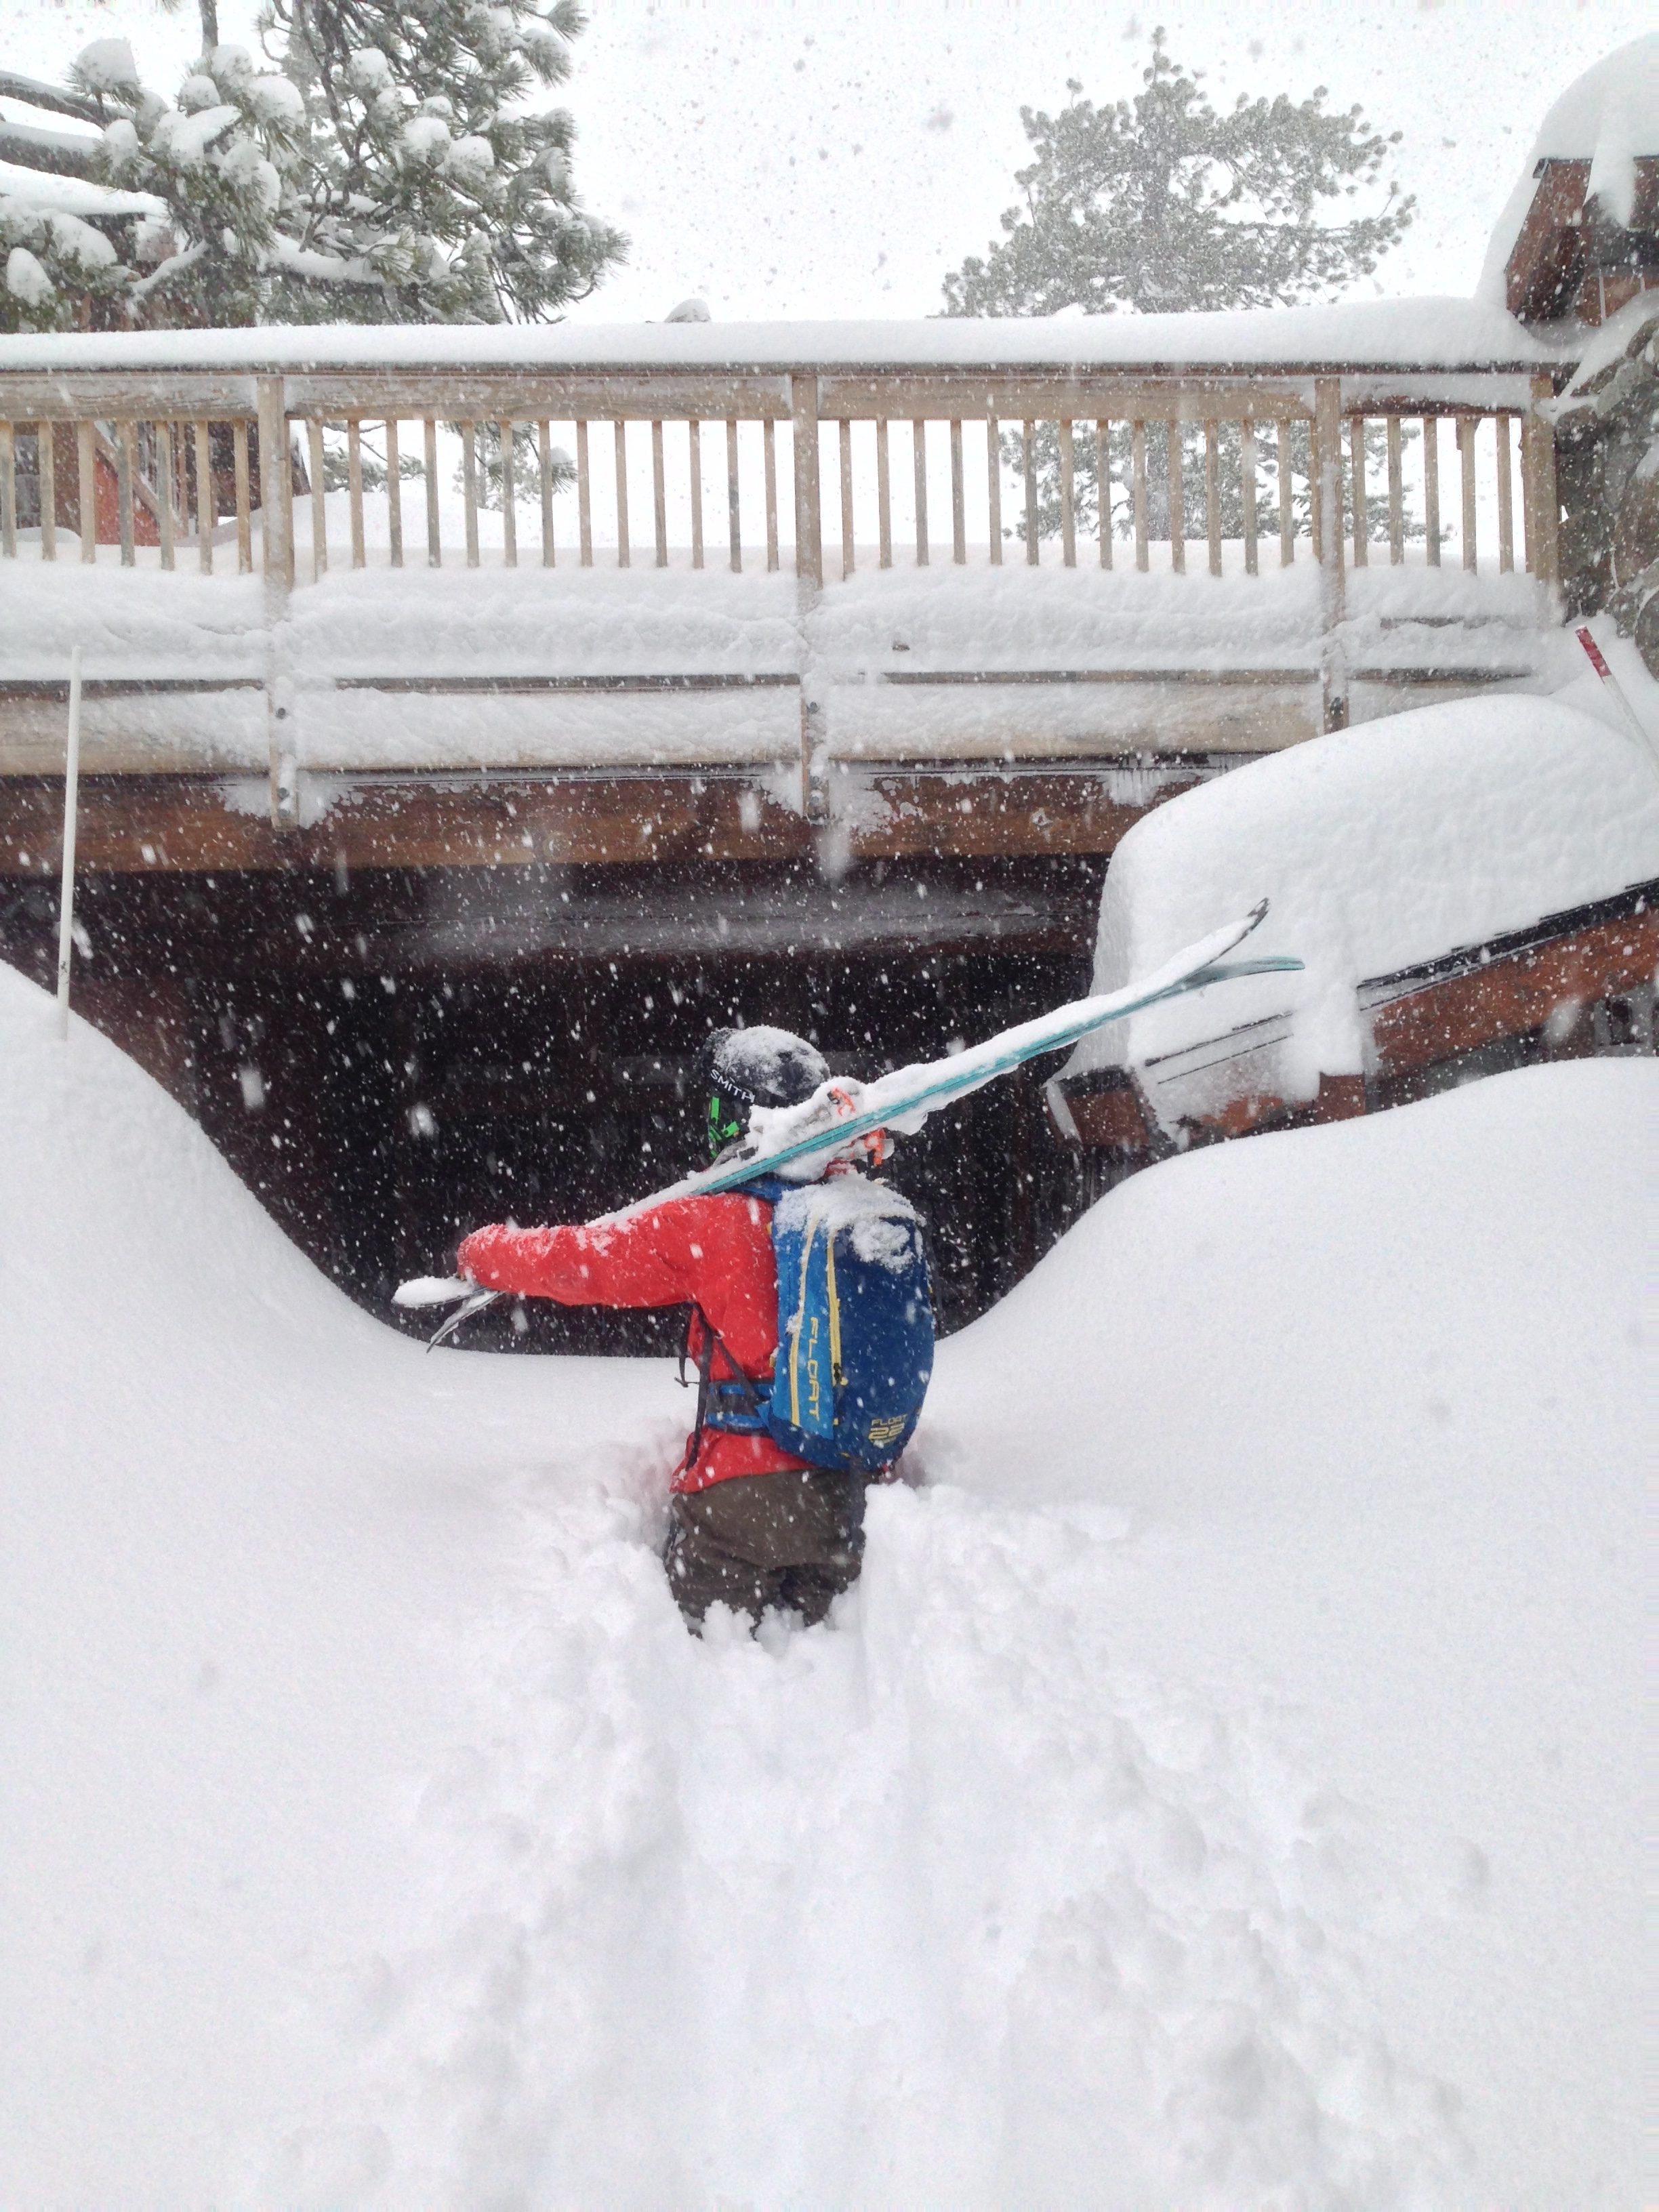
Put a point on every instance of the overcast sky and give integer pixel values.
(835, 157)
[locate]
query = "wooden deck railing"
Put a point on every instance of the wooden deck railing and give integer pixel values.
(172, 460)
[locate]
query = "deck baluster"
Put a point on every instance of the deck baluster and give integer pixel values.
(1432, 487)
(126, 476)
(45, 445)
(958, 499)
(884, 497)
(1138, 494)
(1212, 494)
(318, 510)
(619, 440)
(1068, 498)
(1505, 499)
(993, 487)
(585, 501)
(8, 492)
(207, 498)
(660, 495)
(434, 551)
(545, 475)
(1103, 489)
(694, 442)
(470, 491)
(1028, 447)
(1247, 470)
(1396, 496)
(86, 465)
(1467, 426)
(354, 491)
(394, 495)
(845, 430)
(769, 445)
(733, 506)
(509, 495)
(1177, 508)
(919, 456)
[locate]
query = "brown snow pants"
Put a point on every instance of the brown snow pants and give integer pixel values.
(792, 1539)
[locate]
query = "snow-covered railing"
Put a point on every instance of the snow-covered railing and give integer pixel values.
(164, 458)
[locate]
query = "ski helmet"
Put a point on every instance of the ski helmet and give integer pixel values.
(738, 1069)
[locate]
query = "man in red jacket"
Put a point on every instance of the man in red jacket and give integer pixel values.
(752, 1526)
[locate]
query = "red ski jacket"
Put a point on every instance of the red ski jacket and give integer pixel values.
(715, 1253)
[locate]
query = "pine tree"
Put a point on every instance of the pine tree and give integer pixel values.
(426, 166)
(386, 169)
(1160, 204)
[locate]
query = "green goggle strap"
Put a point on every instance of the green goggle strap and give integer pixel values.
(725, 1121)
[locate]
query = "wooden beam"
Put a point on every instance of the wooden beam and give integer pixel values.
(139, 825)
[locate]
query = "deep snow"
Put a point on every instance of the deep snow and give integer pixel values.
(1223, 1789)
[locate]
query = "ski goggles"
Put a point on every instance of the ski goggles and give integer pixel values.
(727, 1119)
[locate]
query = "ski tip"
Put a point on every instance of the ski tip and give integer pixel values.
(1258, 913)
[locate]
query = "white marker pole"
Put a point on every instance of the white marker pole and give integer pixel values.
(1598, 662)
(71, 795)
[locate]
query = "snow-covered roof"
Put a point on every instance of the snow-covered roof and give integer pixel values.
(1607, 117)
(74, 195)
(1379, 847)
(1430, 333)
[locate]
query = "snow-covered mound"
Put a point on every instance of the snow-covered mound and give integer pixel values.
(1222, 1788)
(1378, 847)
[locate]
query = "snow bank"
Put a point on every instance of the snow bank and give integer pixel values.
(1378, 847)
(1606, 116)
(1419, 333)
(1221, 1789)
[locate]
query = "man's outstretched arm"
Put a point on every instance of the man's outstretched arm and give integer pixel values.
(649, 1260)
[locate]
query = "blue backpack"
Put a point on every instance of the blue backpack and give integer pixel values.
(856, 1329)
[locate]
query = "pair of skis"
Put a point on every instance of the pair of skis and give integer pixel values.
(840, 1113)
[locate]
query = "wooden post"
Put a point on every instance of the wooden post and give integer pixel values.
(1328, 476)
(1033, 556)
(658, 495)
(883, 498)
(318, 512)
(86, 462)
(1103, 489)
(1286, 476)
(434, 551)
(46, 442)
(509, 495)
(1361, 503)
(1467, 426)
(1177, 509)
(1396, 496)
(694, 448)
(993, 487)
(207, 498)
(847, 546)
(1067, 496)
(1505, 500)
(126, 473)
(584, 498)
(1247, 469)
(243, 493)
(470, 491)
(8, 492)
(394, 495)
(769, 444)
(544, 472)
(733, 499)
(809, 528)
(1431, 489)
(355, 492)
(619, 442)
(919, 459)
(1138, 494)
(1213, 494)
(958, 499)
(276, 481)
(1541, 500)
